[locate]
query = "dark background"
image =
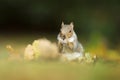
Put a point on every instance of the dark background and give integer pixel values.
(91, 17)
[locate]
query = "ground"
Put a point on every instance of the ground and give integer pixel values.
(51, 69)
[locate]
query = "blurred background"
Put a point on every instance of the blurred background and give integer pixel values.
(96, 22)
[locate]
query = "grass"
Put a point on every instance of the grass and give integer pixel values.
(51, 70)
(55, 70)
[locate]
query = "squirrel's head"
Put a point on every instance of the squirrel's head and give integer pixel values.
(66, 30)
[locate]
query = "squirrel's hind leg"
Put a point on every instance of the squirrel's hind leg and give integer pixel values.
(80, 48)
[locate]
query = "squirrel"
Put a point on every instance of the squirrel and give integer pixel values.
(67, 39)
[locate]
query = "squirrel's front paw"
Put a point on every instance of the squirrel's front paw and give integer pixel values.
(60, 46)
(71, 46)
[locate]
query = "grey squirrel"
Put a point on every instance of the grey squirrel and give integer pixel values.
(67, 39)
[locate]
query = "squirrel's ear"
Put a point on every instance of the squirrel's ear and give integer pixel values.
(62, 24)
(71, 24)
